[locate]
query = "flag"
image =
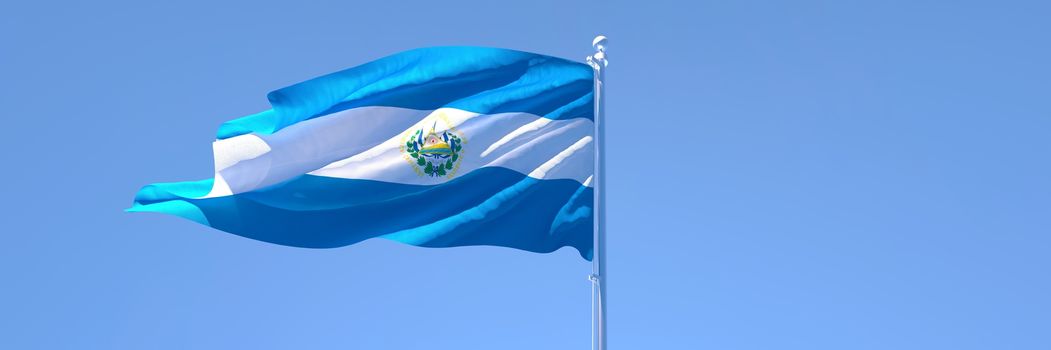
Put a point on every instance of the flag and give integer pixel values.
(434, 147)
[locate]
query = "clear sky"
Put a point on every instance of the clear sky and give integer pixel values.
(782, 175)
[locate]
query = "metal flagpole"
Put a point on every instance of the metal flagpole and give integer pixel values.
(598, 62)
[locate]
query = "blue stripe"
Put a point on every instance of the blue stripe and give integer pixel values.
(476, 79)
(489, 206)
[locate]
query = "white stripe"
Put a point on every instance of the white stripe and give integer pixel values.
(367, 143)
(303, 147)
(230, 151)
(487, 144)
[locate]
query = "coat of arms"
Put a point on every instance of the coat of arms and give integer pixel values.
(434, 153)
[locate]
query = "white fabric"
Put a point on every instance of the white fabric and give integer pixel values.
(368, 143)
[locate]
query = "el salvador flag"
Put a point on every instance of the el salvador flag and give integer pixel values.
(435, 147)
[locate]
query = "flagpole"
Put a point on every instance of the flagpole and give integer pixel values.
(598, 62)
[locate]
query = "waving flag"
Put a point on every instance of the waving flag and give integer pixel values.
(435, 147)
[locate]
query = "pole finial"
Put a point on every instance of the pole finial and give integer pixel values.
(599, 43)
(598, 60)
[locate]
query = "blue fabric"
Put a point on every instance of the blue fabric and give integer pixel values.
(477, 79)
(489, 206)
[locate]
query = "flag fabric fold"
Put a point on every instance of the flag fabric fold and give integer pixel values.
(434, 147)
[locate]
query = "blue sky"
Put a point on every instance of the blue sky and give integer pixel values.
(804, 175)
